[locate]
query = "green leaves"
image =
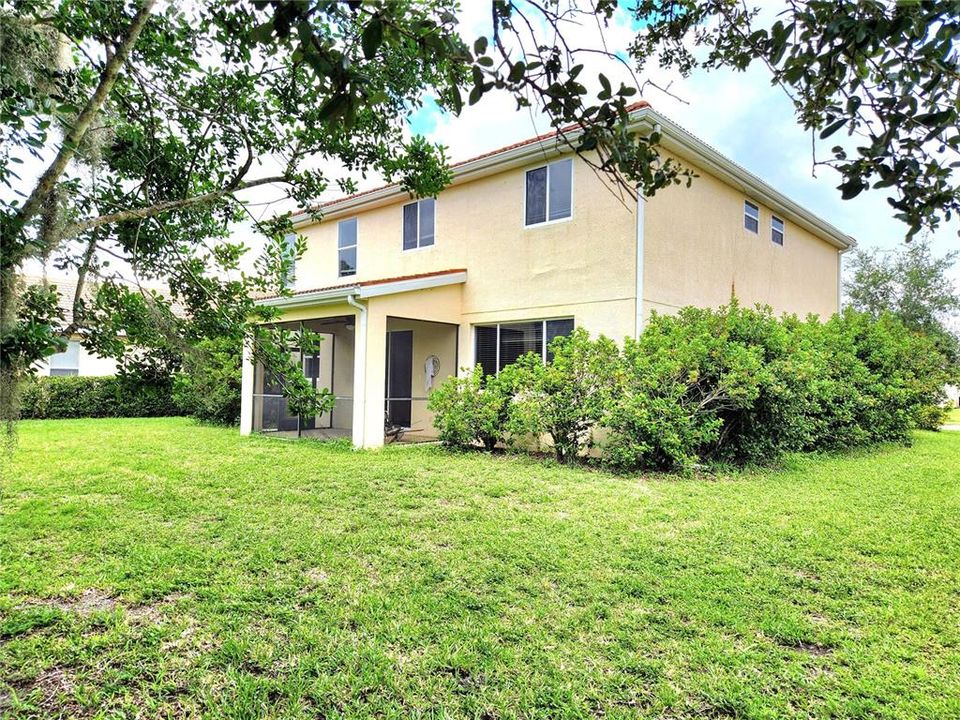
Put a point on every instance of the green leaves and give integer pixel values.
(885, 71)
(372, 37)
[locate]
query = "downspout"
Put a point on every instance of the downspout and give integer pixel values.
(359, 373)
(641, 207)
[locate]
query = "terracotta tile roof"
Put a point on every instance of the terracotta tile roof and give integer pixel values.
(367, 283)
(506, 148)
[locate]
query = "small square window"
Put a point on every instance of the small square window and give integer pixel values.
(751, 216)
(776, 230)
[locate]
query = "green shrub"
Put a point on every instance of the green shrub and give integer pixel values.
(94, 397)
(674, 383)
(471, 412)
(736, 385)
(208, 386)
(567, 397)
(930, 417)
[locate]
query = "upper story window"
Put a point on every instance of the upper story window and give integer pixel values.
(347, 247)
(498, 345)
(751, 216)
(549, 193)
(776, 230)
(290, 245)
(419, 224)
(66, 362)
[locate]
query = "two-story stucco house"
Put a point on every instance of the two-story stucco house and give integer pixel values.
(525, 244)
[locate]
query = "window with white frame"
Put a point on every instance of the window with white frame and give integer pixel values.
(751, 216)
(549, 193)
(498, 345)
(419, 224)
(776, 230)
(66, 362)
(347, 247)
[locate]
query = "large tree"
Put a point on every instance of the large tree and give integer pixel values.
(913, 284)
(155, 124)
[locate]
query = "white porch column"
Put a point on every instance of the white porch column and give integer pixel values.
(359, 374)
(246, 389)
(375, 379)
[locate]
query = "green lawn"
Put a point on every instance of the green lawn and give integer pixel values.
(158, 569)
(953, 416)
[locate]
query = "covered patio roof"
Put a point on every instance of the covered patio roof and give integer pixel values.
(367, 288)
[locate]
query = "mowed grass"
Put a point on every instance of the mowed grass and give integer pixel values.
(160, 569)
(953, 416)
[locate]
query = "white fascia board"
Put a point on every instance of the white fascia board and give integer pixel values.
(686, 145)
(322, 297)
(340, 295)
(424, 283)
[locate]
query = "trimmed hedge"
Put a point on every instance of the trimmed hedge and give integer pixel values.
(56, 398)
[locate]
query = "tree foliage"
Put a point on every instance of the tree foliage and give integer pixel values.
(912, 284)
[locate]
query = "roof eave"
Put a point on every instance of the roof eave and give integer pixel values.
(361, 291)
(687, 145)
(322, 297)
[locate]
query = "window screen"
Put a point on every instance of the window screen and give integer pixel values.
(518, 339)
(486, 348)
(556, 328)
(751, 216)
(347, 246)
(536, 196)
(549, 192)
(560, 182)
(776, 230)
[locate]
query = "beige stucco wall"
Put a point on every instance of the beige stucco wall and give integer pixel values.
(581, 267)
(697, 252)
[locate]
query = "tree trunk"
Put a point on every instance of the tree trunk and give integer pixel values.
(68, 148)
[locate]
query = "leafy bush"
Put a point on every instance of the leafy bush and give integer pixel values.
(675, 382)
(567, 397)
(930, 417)
(95, 397)
(732, 385)
(469, 411)
(208, 387)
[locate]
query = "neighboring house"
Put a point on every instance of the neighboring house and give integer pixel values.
(526, 243)
(76, 359)
(951, 396)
